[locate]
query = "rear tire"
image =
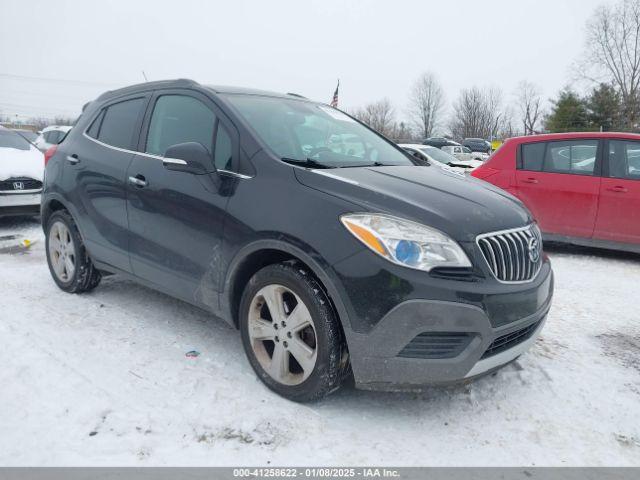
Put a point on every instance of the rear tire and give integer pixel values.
(67, 257)
(291, 334)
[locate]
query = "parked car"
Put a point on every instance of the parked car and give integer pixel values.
(465, 156)
(439, 142)
(21, 169)
(51, 136)
(582, 188)
(477, 145)
(434, 156)
(329, 261)
(28, 135)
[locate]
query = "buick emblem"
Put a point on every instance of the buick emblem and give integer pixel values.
(534, 249)
(18, 185)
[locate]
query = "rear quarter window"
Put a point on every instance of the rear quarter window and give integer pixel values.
(94, 129)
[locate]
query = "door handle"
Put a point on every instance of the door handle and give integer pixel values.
(530, 180)
(138, 181)
(618, 188)
(73, 159)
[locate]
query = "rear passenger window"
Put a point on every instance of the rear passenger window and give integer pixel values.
(223, 154)
(179, 119)
(624, 159)
(533, 156)
(575, 157)
(119, 123)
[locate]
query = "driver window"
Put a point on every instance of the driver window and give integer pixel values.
(179, 119)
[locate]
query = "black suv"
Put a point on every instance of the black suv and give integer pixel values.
(319, 239)
(477, 145)
(439, 142)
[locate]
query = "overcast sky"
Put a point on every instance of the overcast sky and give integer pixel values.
(56, 55)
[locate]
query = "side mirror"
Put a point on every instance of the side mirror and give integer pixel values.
(188, 157)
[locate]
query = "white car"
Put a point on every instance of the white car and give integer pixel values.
(51, 136)
(21, 172)
(464, 154)
(436, 157)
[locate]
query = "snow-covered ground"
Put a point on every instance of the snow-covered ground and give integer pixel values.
(102, 379)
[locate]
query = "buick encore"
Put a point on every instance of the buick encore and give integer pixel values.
(320, 240)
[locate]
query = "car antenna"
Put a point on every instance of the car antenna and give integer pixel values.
(145, 76)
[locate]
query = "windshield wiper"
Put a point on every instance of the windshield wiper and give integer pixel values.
(307, 162)
(378, 164)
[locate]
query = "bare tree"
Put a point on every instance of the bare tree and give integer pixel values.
(426, 102)
(403, 133)
(507, 125)
(613, 49)
(530, 106)
(378, 115)
(477, 113)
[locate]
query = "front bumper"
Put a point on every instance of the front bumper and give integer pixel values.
(492, 324)
(386, 369)
(13, 204)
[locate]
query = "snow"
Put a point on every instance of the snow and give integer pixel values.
(21, 163)
(103, 379)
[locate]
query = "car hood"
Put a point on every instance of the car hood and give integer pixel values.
(21, 163)
(461, 206)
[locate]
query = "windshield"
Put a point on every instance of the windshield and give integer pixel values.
(13, 140)
(27, 135)
(438, 155)
(313, 134)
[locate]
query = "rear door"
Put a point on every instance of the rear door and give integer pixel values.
(176, 218)
(559, 182)
(619, 211)
(97, 164)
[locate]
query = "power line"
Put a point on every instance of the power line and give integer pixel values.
(59, 80)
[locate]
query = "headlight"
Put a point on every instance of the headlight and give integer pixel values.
(406, 243)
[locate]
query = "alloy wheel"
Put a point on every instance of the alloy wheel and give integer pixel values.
(62, 252)
(282, 334)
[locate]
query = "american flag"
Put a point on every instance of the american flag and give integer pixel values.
(334, 100)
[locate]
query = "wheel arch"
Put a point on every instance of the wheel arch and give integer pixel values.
(261, 253)
(52, 204)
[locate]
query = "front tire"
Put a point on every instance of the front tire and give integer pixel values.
(69, 263)
(291, 334)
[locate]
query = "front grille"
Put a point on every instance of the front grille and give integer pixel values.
(435, 345)
(513, 255)
(13, 184)
(508, 340)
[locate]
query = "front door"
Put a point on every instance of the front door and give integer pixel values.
(176, 218)
(560, 183)
(619, 211)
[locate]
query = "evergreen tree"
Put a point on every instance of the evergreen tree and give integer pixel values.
(604, 108)
(569, 114)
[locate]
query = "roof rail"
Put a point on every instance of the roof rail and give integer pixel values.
(297, 95)
(180, 82)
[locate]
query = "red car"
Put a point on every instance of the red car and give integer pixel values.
(582, 188)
